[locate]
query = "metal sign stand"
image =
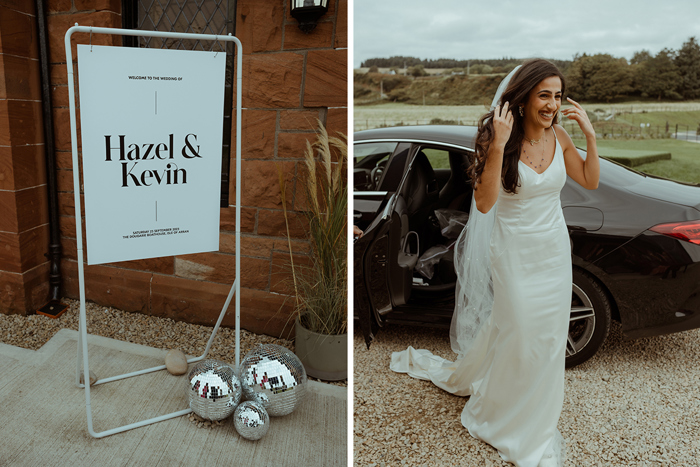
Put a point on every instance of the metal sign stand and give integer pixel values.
(235, 287)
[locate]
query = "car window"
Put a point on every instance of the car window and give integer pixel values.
(368, 155)
(439, 158)
(370, 160)
(394, 173)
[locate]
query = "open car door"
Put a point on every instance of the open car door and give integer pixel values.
(386, 255)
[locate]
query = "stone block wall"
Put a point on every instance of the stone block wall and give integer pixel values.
(24, 231)
(291, 80)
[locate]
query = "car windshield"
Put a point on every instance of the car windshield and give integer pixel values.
(368, 155)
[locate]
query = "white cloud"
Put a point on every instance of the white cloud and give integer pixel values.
(501, 28)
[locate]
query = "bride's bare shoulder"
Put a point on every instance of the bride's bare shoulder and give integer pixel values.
(562, 136)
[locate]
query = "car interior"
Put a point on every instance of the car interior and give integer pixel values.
(448, 197)
(436, 198)
(369, 164)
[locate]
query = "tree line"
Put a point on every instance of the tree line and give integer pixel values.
(474, 67)
(501, 65)
(670, 74)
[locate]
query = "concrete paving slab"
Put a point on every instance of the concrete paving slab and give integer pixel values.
(43, 418)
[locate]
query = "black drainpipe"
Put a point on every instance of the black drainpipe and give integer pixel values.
(228, 111)
(53, 307)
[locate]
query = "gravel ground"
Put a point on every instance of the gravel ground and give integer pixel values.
(31, 332)
(636, 403)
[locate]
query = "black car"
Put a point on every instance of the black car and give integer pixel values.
(635, 240)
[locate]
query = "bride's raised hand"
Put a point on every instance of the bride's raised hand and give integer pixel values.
(502, 124)
(579, 115)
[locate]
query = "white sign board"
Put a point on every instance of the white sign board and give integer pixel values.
(151, 124)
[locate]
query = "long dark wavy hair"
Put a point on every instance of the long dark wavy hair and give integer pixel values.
(516, 94)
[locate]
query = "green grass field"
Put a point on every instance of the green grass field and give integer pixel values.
(689, 119)
(683, 166)
(631, 114)
(634, 158)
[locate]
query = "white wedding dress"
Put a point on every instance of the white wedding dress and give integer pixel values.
(514, 370)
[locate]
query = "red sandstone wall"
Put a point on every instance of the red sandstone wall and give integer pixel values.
(24, 233)
(290, 80)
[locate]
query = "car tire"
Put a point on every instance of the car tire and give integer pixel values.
(589, 322)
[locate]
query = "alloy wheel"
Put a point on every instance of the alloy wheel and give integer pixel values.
(581, 321)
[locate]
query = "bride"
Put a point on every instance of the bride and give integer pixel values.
(513, 262)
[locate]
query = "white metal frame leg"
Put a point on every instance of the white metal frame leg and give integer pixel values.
(83, 356)
(83, 351)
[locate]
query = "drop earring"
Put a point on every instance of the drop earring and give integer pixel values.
(520, 110)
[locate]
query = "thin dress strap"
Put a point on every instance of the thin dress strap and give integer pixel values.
(556, 142)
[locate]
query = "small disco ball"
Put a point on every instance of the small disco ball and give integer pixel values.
(274, 377)
(213, 390)
(251, 420)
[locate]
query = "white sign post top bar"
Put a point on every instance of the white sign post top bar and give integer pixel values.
(235, 288)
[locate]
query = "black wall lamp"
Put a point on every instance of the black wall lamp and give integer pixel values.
(307, 12)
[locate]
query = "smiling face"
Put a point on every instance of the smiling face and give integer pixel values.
(543, 103)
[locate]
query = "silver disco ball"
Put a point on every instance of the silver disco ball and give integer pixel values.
(251, 420)
(274, 377)
(213, 390)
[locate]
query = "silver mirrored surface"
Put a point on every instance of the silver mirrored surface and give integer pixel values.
(251, 420)
(273, 376)
(213, 389)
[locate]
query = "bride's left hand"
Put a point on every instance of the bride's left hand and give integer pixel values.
(579, 115)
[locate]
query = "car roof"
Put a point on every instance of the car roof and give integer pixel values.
(456, 135)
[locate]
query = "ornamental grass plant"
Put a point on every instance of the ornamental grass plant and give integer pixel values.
(320, 287)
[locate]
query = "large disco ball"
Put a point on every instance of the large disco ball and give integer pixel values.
(213, 390)
(251, 420)
(274, 377)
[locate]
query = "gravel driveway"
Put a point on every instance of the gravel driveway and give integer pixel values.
(33, 331)
(636, 403)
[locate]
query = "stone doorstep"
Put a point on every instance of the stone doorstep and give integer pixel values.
(37, 357)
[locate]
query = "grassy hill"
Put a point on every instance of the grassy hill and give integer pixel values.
(428, 90)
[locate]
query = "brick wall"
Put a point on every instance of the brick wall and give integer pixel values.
(290, 80)
(24, 232)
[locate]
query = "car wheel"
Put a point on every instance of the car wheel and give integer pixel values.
(589, 322)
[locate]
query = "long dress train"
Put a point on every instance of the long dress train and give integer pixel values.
(514, 370)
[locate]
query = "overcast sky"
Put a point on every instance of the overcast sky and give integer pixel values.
(471, 29)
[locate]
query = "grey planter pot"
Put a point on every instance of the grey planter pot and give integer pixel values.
(324, 356)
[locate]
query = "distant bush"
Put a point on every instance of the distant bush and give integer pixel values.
(481, 69)
(417, 71)
(392, 82)
(439, 121)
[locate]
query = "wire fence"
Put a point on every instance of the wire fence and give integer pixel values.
(618, 121)
(622, 131)
(604, 130)
(383, 122)
(644, 107)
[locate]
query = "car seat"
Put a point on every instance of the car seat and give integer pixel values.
(457, 192)
(421, 194)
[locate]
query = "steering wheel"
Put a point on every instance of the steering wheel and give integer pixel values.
(376, 174)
